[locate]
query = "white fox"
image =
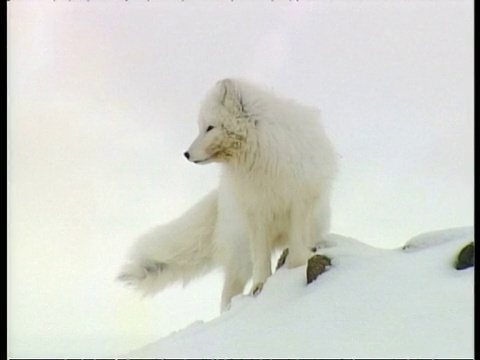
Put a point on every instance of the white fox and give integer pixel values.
(277, 171)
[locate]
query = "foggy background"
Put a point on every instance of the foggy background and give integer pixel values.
(102, 103)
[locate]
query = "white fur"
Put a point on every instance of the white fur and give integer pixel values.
(278, 167)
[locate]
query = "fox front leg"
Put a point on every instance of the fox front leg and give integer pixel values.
(261, 258)
(282, 259)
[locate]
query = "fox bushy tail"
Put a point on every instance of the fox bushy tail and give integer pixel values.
(176, 252)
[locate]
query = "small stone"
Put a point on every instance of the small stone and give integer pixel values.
(466, 257)
(316, 265)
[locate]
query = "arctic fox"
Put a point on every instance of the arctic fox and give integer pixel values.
(277, 171)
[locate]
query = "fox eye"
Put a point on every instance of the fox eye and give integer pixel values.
(210, 127)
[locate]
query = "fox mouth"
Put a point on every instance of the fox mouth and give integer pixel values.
(204, 161)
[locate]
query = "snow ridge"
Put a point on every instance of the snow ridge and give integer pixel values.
(370, 303)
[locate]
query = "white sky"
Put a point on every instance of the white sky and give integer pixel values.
(102, 102)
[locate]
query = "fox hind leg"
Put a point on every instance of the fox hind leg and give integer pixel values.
(236, 277)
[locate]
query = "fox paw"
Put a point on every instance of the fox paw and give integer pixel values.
(317, 264)
(282, 259)
(256, 289)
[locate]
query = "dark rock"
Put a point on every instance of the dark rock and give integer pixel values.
(316, 265)
(466, 257)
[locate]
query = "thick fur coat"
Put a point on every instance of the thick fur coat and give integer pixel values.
(277, 171)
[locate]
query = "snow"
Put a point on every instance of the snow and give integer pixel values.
(370, 303)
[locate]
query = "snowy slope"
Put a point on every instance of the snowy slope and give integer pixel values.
(407, 302)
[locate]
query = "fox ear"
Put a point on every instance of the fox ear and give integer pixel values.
(230, 96)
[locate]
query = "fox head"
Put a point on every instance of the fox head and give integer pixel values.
(223, 126)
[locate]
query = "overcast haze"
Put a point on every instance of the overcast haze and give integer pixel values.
(102, 103)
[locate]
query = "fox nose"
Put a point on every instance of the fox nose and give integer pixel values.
(187, 155)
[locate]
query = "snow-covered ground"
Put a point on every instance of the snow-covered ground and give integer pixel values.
(406, 302)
